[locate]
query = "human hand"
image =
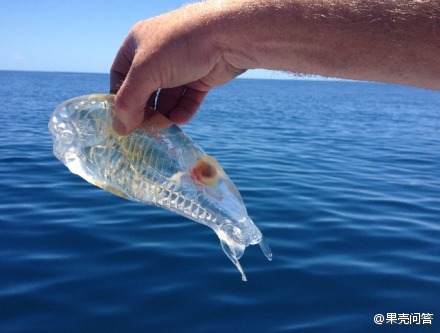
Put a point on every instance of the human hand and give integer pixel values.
(180, 54)
(187, 52)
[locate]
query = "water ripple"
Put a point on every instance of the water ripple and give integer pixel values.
(341, 177)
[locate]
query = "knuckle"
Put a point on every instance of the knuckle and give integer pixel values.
(121, 106)
(136, 28)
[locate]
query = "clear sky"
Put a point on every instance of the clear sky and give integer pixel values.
(74, 35)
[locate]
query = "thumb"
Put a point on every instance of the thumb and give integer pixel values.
(131, 100)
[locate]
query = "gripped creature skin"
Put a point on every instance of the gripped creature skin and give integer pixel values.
(163, 168)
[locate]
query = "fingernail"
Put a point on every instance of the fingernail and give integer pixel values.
(118, 126)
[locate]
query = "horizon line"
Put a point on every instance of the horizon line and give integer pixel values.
(292, 76)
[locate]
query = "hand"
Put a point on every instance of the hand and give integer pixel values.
(177, 53)
(187, 52)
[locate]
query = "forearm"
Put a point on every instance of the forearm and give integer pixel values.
(187, 52)
(381, 40)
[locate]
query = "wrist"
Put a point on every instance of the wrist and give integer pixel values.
(248, 33)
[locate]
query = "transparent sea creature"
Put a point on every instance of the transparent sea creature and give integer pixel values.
(165, 168)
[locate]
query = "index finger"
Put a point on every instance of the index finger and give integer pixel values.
(120, 67)
(131, 86)
(132, 97)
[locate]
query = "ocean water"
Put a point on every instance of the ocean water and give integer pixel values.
(343, 178)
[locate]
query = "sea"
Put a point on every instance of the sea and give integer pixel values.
(343, 179)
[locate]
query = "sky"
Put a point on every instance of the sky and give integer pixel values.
(75, 35)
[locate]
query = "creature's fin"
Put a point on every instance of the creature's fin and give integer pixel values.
(231, 255)
(265, 248)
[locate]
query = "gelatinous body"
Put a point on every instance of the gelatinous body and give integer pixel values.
(163, 168)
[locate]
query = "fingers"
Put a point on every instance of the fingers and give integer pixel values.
(156, 120)
(118, 73)
(131, 78)
(178, 105)
(141, 68)
(172, 105)
(132, 98)
(168, 99)
(120, 67)
(187, 106)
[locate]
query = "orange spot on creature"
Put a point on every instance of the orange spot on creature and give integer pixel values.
(204, 172)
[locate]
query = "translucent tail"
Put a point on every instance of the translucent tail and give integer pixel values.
(264, 245)
(235, 253)
(233, 256)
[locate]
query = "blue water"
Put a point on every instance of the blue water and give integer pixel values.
(343, 178)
